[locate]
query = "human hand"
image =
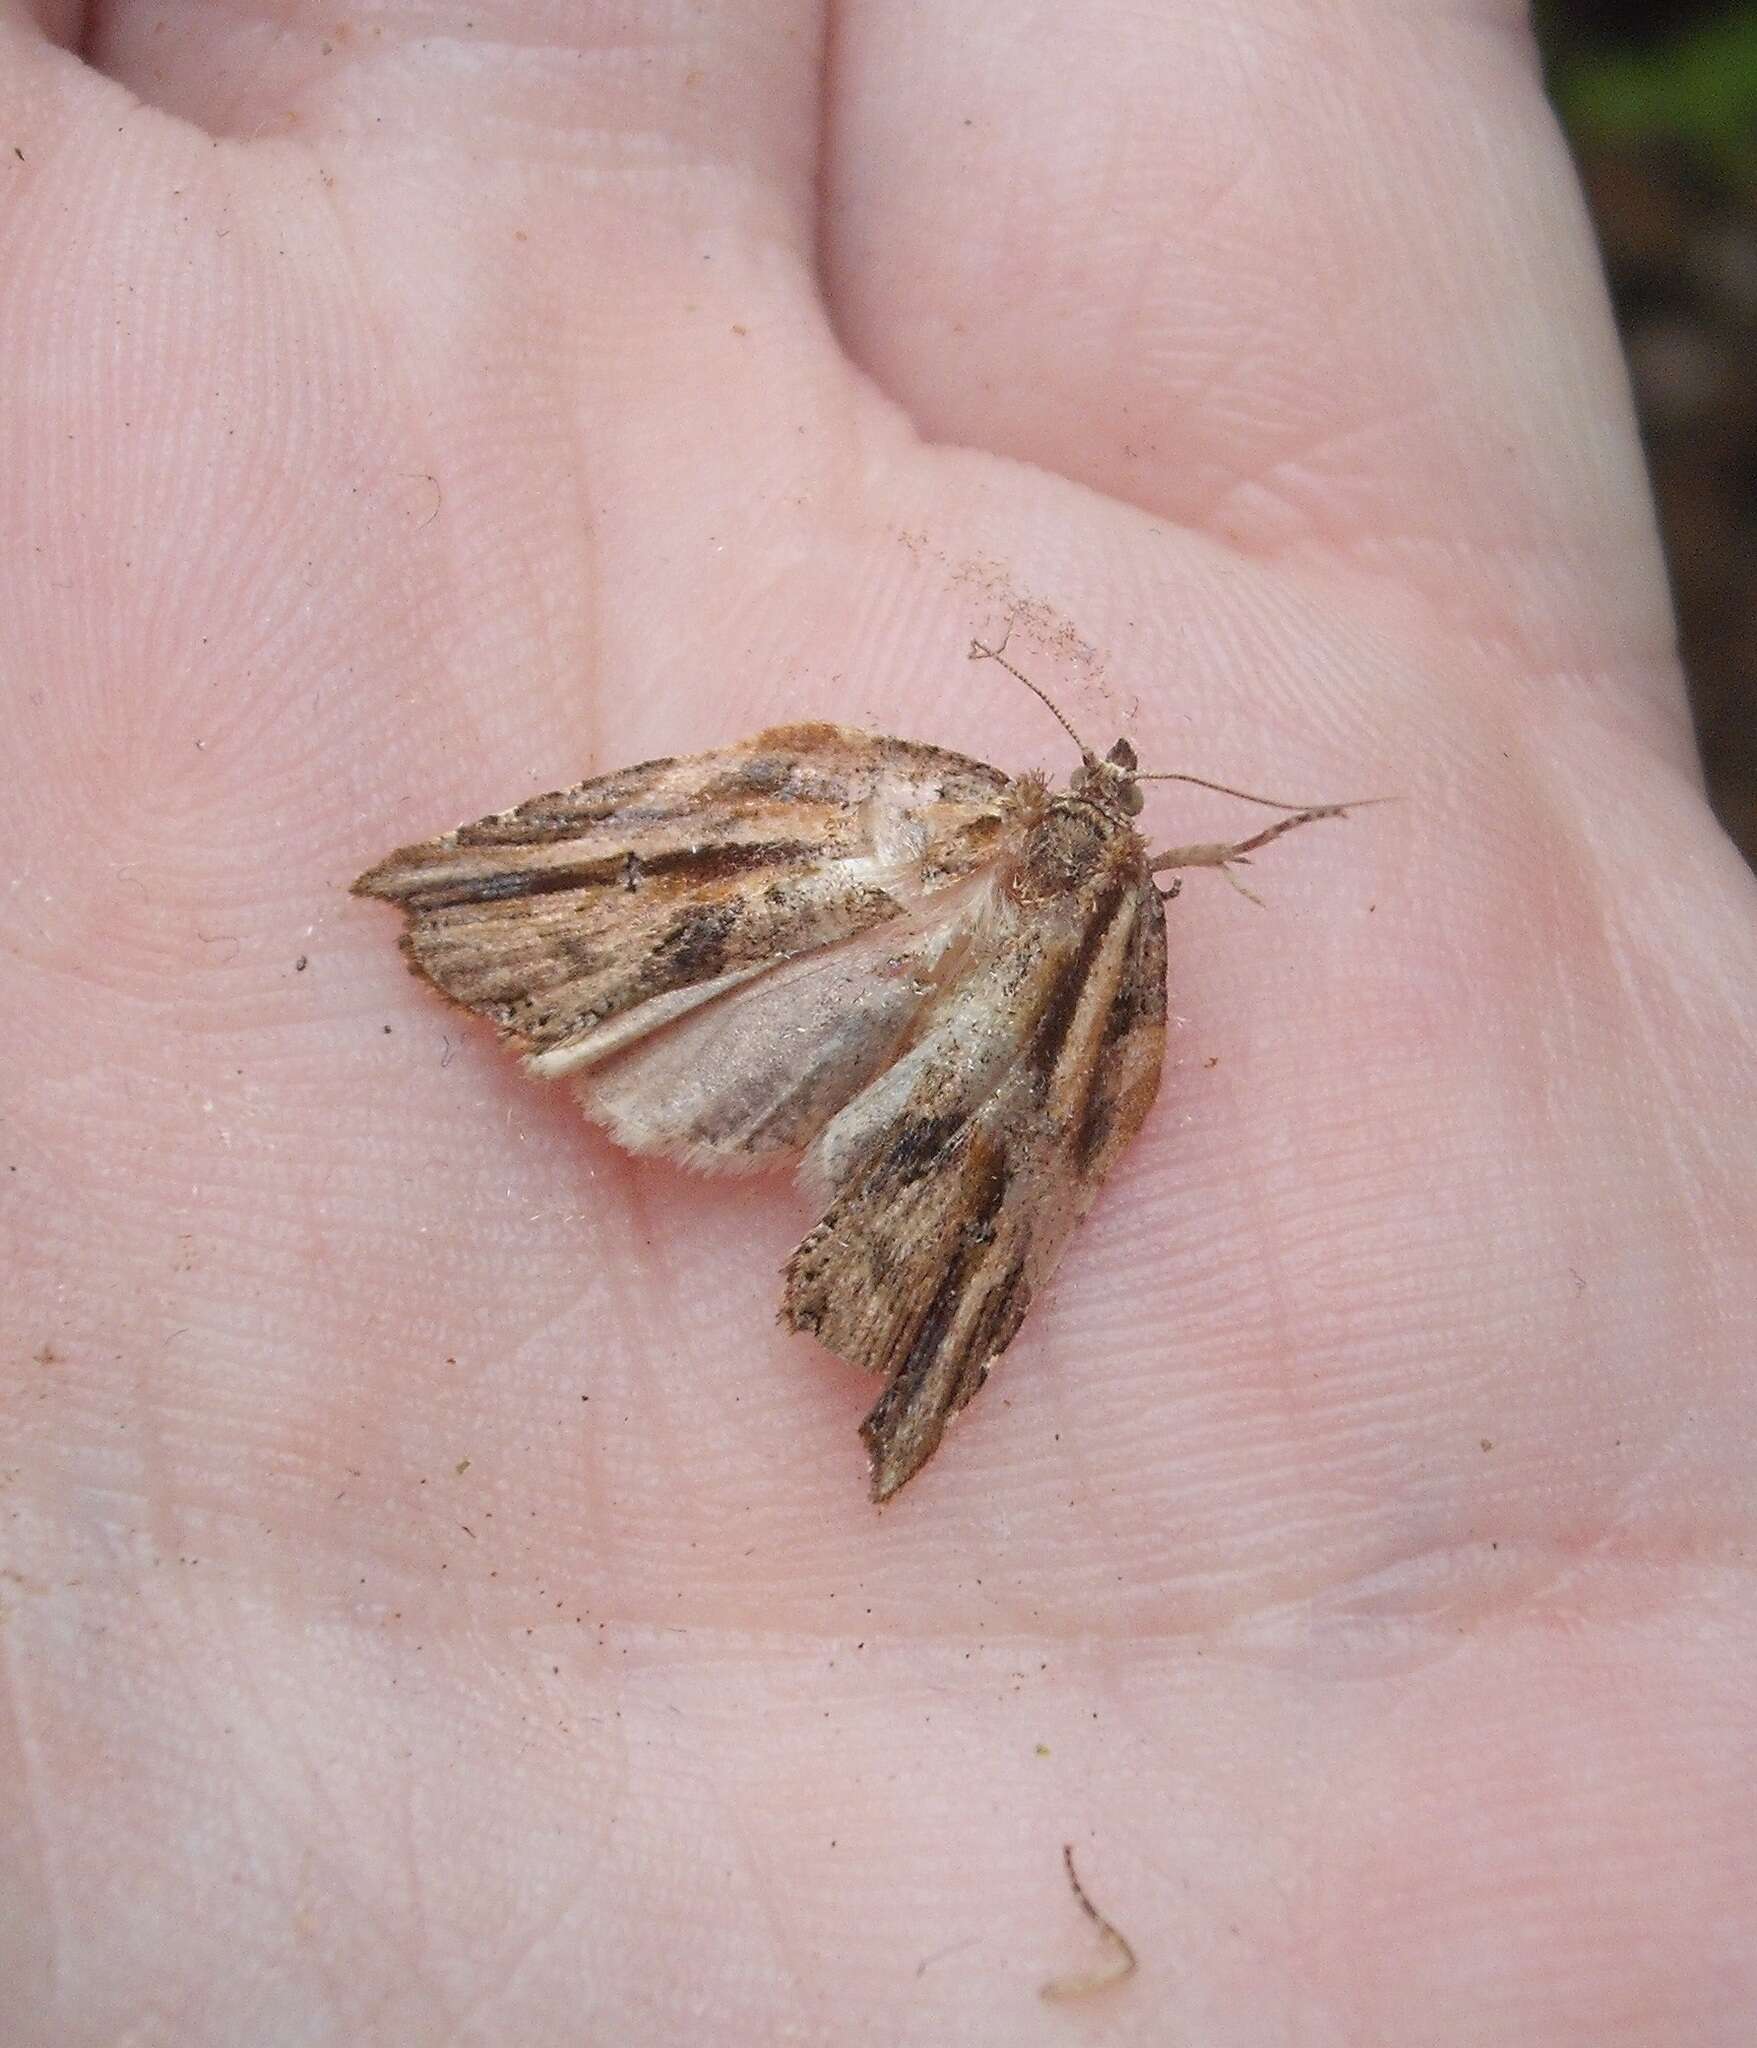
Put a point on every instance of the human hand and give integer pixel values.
(438, 1604)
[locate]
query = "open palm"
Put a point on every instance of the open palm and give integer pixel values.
(437, 1603)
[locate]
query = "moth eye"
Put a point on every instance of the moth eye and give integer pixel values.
(1132, 799)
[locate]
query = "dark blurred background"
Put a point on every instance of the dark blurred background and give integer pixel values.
(1660, 102)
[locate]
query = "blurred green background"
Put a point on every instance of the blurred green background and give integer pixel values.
(1661, 105)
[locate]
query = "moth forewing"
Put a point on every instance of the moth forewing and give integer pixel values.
(562, 919)
(942, 988)
(952, 1205)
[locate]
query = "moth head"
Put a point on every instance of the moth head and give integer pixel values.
(1111, 782)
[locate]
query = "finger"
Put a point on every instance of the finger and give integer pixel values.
(641, 106)
(32, 22)
(41, 89)
(1314, 279)
(492, 263)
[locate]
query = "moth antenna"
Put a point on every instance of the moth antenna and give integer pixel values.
(1274, 803)
(978, 652)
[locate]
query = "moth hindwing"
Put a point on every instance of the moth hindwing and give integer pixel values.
(939, 988)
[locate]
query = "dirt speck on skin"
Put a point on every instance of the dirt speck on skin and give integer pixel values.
(1119, 1961)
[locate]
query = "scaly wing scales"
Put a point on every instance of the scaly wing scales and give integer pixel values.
(959, 1174)
(580, 921)
(756, 1073)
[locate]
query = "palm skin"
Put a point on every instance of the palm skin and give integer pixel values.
(438, 1605)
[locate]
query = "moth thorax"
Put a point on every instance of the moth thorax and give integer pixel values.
(1111, 782)
(1076, 838)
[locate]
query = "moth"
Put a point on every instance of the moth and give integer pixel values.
(938, 987)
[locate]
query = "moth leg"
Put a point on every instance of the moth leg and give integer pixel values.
(1219, 854)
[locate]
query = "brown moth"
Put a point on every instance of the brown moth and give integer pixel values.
(940, 987)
